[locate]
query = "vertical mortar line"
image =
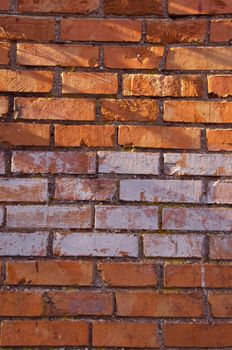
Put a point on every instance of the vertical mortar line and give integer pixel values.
(161, 335)
(90, 334)
(101, 57)
(207, 37)
(165, 8)
(203, 140)
(14, 6)
(144, 31)
(101, 8)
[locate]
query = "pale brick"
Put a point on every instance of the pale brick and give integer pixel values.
(2, 163)
(220, 192)
(220, 247)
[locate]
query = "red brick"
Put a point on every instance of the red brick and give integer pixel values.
(23, 190)
(27, 304)
(18, 134)
(79, 303)
(44, 333)
(221, 30)
(198, 111)
(220, 86)
(150, 304)
(177, 31)
(133, 57)
(54, 162)
(3, 105)
(161, 85)
(65, 6)
(89, 83)
(131, 217)
(204, 335)
(220, 304)
(220, 192)
(96, 244)
(159, 137)
(133, 7)
(199, 7)
(5, 5)
(125, 334)
(129, 110)
(23, 244)
(219, 139)
(25, 81)
(173, 245)
(55, 109)
(101, 30)
(84, 135)
(4, 53)
(72, 189)
(27, 28)
(199, 58)
(128, 274)
(49, 216)
(183, 275)
(64, 55)
(220, 247)
(67, 273)
(218, 276)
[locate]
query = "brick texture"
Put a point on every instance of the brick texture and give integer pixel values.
(115, 174)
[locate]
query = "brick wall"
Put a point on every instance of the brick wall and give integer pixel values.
(116, 174)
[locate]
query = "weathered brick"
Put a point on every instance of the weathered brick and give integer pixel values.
(64, 55)
(177, 31)
(125, 334)
(133, 7)
(27, 28)
(161, 191)
(65, 6)
(2, 163)
(220, 192)
(19, 134)
(133, 57)
(159, 137)
(54, 162)
(173, 246)
(70, 189)
(198, 111)
(221, 30)
(220, 247)
(140, 110)
(219, 139)
(220, 304)
(3, 106)
(89, 83)
(45, 333)
(168, 304)
(199, 58)
(4, 53)
(218, 276)
(101, 30)
(55, 109)
(137, 274)
(25, 81)
(129, 163)
(163, 85)
(198, 335)
(79, 303)
(16, 303)
(84, 135)
(67, 273)
(5, 5)
(49, 216)
(96, 244)
(198, 164)
(199, 7)
(221, 86)
(23, 244)
(23, 190)
(197, 219)
(183, 275)
(126, 217)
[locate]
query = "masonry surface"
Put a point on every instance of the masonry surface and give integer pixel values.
(115, 174)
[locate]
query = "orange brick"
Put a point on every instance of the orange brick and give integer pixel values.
(219, 139)
(4, 53)
(27, 304)
(64, 55)
(159, 137)
(101, 30)
(220, 304)
(5, 5)
(25, 81)
(221, 30)
(199, 7)
(133, 57)
(89, 83)
(54, 6)
(85, 135)
(183, 275)
(3, 105)
(133, 7)
(220, 85)
(18, 134)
